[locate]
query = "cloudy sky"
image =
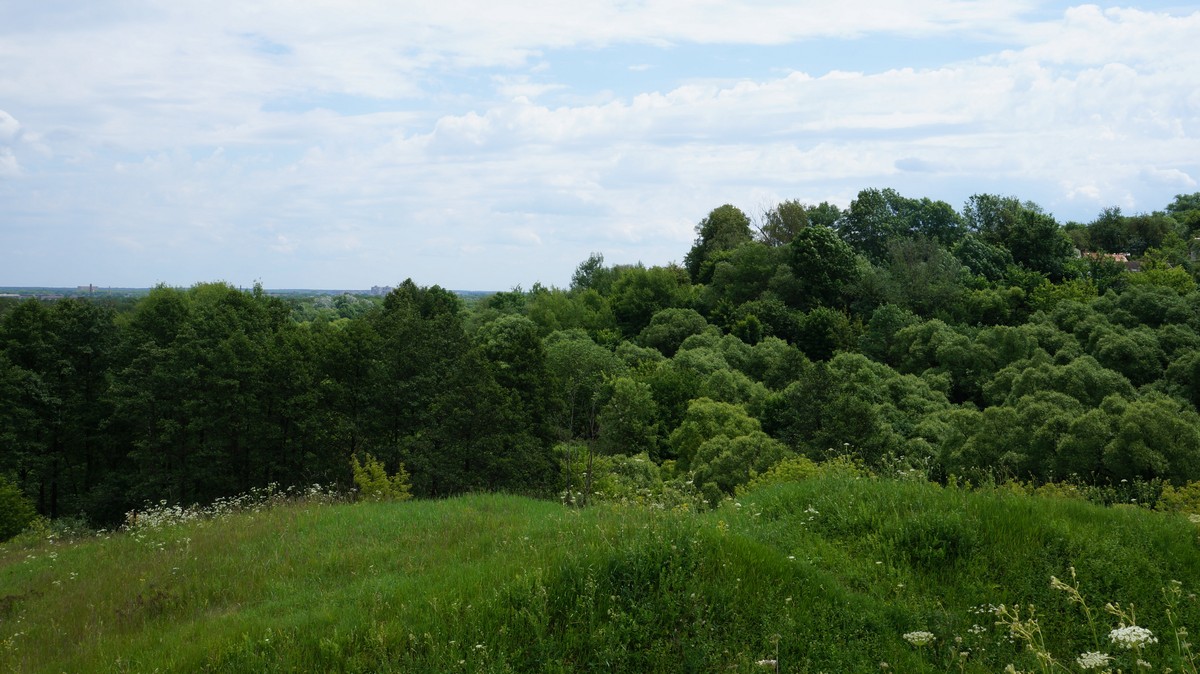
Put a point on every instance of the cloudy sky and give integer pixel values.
(481, 145)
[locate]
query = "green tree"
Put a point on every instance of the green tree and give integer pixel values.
(639, 293)
(745, 273)
(629, 419)
(1080, 450)
(725, 228)
(517, 358)
(669, 327)
(705, 420)
(58, 357)
(482, 438)
(1109, 232)
(781, 222)
(578, 369)
(877, 341)
(851, 402)
(726, 462)
(1083, 379)
(1030, 234)
(1133, 353)
(16, 512)
(878, 217)
(924, 277)
(591, 274)
(1155, 437)
(824, 332)
(587, 309)
(775, 363)
(824, 267)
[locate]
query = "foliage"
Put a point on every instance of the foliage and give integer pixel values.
(1023, 228)
(639, 293)
(374, 484)
(722, 463)
(707, 419)
(725, 228)
(970, 345)
(16, 511)
(781, 222)
(669, 327)
(824, 267)
(629, 420)
(1183, 499)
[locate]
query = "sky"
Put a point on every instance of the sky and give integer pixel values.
(343, 144)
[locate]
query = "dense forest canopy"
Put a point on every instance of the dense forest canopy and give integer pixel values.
(976, 344)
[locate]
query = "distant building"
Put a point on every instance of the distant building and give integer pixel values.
(1122, 258)
(380, 290)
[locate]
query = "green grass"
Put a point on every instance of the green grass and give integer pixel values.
(822, 575)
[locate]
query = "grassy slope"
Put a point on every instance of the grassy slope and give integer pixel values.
(822, 575)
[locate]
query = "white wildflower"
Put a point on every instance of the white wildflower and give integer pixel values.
(1093, 660)
(919, 638)
(1132, 636)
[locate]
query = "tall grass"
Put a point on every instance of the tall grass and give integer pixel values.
(826, 574)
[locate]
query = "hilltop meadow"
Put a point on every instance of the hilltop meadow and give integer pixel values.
(895, 437)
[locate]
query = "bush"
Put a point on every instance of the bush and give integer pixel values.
(374, 484)
(1185, 499)
(16, 511)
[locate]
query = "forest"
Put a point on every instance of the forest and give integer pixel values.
(978, 345)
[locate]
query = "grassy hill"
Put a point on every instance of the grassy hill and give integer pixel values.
(827, 574)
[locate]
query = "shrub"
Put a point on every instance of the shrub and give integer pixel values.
(1185, 499)
(16, 512)
(374, 484)
(799, 468)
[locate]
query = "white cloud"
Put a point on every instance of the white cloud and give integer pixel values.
(1173, 177)
(9, 126)
(9, 168)
(382, 137)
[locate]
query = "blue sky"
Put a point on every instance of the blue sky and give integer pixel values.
(473, 145)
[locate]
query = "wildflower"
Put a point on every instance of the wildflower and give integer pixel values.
(1143, 664)
(919, 638)
(768, 663)
(1093, 660)
(1132, 637)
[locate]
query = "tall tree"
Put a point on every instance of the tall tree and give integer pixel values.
(781, 222)
(824, 267)
(725, 228)
(1029, 233)
(877, 217)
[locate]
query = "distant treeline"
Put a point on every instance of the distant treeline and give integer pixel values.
(981, 343)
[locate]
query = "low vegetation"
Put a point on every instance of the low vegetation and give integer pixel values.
(837, 571)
